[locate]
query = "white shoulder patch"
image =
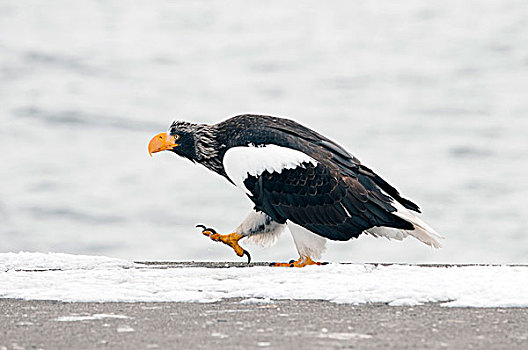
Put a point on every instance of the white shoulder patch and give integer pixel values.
(240, 162)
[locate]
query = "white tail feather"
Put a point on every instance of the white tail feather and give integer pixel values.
(387, 232)
(422, 231)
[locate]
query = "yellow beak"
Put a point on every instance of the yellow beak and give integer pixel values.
(161, 142)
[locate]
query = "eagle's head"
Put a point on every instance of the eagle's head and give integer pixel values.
(196, 142)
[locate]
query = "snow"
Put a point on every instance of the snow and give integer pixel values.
(125, 329)
(89, 318)
(344, 336)
(263, 344)
(256, 301)
(73, 278)
(58, 261)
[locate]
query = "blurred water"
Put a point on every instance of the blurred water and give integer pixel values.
(432, 95)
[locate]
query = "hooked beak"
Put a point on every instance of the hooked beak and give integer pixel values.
(161, 142)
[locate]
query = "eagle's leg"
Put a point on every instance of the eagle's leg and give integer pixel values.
(301, 262)
(229, 239)
(257, 226)
(309, 245)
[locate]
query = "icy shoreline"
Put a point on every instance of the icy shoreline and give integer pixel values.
(79, 278)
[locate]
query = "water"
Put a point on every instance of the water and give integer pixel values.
(430, 95)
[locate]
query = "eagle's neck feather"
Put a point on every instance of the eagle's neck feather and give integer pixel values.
(205, 143)
(206, 148)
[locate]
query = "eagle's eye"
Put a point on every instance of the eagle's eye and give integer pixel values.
(176, 137)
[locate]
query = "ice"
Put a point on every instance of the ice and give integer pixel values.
(89, 318)
(256, 301)
(263, 344)
(57, 261)
(219, 335)
(91, 281)
(125, 329)
(344, 336)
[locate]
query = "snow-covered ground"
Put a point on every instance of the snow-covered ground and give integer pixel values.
(85, 278)
(430, 94)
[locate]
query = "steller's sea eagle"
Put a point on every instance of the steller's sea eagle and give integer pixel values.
(298, 178)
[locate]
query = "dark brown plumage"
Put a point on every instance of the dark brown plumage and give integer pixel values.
(295, 175)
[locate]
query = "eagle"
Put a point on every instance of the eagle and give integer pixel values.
(296, 178)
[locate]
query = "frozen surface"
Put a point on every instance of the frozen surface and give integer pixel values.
(89, 318)
(468, 286)
(58, 261)
(430, 94)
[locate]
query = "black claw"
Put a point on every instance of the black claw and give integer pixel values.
(291, 265)
(206, 228)
(291, 261)
(248, 256)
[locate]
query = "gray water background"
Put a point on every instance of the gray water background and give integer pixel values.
(433, 95)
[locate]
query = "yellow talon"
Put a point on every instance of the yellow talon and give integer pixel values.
(229, 239)
(301, 262)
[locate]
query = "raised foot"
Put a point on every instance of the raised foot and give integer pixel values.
(301, 262)
(229, 239)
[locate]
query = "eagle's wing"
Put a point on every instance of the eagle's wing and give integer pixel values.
(323, 148)
(311, 191)
(331, 205)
